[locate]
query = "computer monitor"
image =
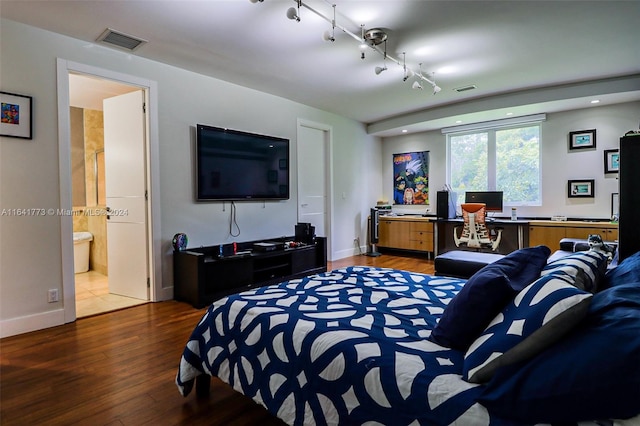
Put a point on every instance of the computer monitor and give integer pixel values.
(492, 199)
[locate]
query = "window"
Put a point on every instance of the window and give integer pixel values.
(499, 159)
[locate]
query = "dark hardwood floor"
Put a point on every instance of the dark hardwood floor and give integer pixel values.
(119, 368)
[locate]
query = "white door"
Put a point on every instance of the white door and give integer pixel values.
(124, 153)
(312, 177)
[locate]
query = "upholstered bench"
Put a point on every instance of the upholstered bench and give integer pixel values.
(463, 264)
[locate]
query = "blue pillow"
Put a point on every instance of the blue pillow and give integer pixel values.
(628, 271)
(485, 294)
(593, 373)
(537, 317)
(586, 268)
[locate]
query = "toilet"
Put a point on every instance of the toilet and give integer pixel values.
(81, 244)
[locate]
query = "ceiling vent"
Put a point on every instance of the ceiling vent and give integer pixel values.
(120, 40)
(465, 88)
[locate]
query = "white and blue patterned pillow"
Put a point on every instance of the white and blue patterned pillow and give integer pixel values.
(537, 317)
(585, 267)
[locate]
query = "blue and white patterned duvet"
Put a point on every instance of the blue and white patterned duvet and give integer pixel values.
(348, 346)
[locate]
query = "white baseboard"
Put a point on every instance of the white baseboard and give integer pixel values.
(20, 325)
(349, 252)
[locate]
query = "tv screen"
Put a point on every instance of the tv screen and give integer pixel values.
(492, 199)
(235, 165)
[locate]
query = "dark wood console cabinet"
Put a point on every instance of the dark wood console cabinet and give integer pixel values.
(200, 276)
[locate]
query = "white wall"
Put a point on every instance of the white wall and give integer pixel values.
(557, 162)
(30, 247)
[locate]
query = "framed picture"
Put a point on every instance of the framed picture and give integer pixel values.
(582, 139)
(411, 178)
(15, 121)
(611, 160)
(615, 206)
(581, 188)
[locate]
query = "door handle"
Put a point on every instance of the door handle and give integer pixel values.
(304, 205)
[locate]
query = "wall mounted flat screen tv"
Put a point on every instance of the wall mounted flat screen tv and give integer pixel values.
(235, 165)
(492, 199)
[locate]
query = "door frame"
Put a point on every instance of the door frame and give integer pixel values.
(64, 68)
(328, 175)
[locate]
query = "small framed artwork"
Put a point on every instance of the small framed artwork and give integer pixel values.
(15, 121)
(582, 139)
(581, 188)
(611, 160)
(615, 206)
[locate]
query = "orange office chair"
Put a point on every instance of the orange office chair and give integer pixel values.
(474, 231)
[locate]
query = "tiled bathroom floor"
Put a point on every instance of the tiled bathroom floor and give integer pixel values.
(93, 297)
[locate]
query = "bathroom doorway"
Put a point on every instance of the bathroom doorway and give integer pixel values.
(95, 240)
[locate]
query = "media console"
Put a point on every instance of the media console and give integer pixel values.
(201, 276)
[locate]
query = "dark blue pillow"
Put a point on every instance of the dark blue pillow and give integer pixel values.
(593, 373)
(485, 294)
(628, 271)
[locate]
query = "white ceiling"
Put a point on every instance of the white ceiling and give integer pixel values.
(525, 57)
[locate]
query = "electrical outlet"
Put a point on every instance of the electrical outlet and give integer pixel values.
(53, 295)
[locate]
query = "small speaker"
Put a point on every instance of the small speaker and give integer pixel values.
(442, 205)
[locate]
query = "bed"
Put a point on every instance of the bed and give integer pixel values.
(515, 344)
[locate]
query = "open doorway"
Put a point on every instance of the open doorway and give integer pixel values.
(93, 234)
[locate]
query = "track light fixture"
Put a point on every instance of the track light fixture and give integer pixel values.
(331, 36)
(370, 38)
(294, 14)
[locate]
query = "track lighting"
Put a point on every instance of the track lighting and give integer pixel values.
(370, 38)
(294, 14)
(331, 36)
(380, 69)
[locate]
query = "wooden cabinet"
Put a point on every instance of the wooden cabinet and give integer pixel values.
(406, 233)
(550, 233)
(201, 276)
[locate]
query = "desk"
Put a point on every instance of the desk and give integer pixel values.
(515, 235)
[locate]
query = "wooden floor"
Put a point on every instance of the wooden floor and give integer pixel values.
(119, 368)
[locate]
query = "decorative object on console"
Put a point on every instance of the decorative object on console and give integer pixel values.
(582, 139)
(611, 160)
(474, 231)
(180, 241)
(16, 120)
(583, 188)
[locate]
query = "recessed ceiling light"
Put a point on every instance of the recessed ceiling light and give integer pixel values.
(458, 121)
(404, 130)
(509, 113)
(595, 101)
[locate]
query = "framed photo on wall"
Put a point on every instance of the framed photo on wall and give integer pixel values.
(580, 188)
(16, 110)
(411, 178)
(615, 206)
(611, 160)
(582, 139)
